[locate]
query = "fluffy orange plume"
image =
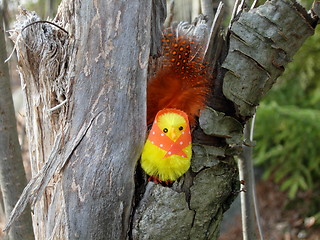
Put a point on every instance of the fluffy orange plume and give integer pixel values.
(182, 83)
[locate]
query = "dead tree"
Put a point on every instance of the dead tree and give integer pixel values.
(12, 174)
(84, 79)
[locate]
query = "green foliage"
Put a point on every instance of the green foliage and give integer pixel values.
(288, 124)
(300, 83)
(288, 145)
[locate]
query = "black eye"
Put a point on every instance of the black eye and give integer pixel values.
(180, 128)
(165, 130)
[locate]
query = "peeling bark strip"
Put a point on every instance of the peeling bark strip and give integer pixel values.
(12, 174)
(158, 16)
(262, 42)
(43, 57)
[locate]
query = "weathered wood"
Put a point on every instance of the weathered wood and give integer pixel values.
(208, 10)
(111, 70)
(262, 41)
(213, 48)
(158, 16)
(97, 129)
(12, 174)
(42, 56)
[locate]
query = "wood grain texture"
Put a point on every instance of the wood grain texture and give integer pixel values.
(12, 174)
(111, 69)
(262, 42)
(86, 115)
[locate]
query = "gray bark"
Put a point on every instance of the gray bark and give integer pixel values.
(263, 40)
(12, 175)
(85, 100)
(208, 10)
(85, 107)
(110, 86)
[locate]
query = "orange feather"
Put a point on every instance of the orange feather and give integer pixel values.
(182, 82)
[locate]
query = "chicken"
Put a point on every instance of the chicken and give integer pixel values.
(175, 96)
(167, 153)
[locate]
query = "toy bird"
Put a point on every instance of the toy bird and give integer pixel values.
(167, 152)
(175, 96)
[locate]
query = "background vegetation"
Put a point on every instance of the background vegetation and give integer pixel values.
(287, 129)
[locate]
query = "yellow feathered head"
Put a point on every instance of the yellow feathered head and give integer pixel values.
(168, 149)
(172, 122)
(171, 132)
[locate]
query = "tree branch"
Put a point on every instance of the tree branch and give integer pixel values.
(262, 42)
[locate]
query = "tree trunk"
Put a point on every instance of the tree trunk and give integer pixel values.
(85, 95)
(12, 174)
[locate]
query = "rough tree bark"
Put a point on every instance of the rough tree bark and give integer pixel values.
(85, 99)
(12, 174)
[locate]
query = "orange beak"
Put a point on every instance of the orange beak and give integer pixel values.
(173, 134)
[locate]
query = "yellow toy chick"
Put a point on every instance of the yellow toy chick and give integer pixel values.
(167, 153)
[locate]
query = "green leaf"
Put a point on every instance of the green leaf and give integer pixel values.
(293, 190)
